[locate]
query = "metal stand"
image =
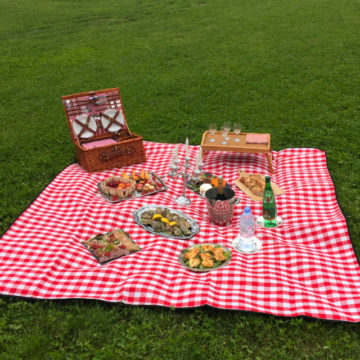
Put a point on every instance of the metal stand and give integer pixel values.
(185, 175)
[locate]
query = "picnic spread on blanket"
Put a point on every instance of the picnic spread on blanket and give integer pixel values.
(228, 223)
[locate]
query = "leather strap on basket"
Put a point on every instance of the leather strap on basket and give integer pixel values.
(105, 156)
(112, 120)
(85, 127)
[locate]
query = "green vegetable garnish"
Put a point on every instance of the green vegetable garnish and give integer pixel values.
(108, 247)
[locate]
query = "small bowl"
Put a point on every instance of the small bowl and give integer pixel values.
(120, 193)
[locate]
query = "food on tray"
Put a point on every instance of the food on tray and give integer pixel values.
(207, 256)
(253, 185)
(118, 186)
(207, 181)
(163, 220)
(110, 246)
(254, 182)
(145, 182)
(166, 222)
(204, 188)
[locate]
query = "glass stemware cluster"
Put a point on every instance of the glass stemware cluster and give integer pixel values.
(225, 129)
(186, 173)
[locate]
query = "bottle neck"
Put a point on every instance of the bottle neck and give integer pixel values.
(220, 187)
(267, 183)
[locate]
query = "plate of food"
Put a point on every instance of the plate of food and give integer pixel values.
(253, 185)
(130, 186)
(205, 257)
(207, 181)
(166, 222)
(111, 246)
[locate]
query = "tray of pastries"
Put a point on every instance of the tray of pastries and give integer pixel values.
(253, 185)
(205, 257)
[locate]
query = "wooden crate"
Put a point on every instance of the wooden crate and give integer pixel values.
(129, 147)
(232, 145)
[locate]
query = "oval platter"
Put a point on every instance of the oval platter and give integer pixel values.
(183, 263)
(194, 226)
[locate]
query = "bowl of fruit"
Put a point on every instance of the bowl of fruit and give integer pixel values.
(144, 182)
(118, 186)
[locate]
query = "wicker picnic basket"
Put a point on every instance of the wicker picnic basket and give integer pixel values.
(94, 116)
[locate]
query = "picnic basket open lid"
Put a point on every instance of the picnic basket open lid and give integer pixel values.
(95, 115)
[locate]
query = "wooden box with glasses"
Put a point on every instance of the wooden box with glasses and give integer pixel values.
(100, 132)
(237, 141)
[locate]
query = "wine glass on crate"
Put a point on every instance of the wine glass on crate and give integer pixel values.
(224, 132)
(227, 127)
(237, 131)
(212, 130)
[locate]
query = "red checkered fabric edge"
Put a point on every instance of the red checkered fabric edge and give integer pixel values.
(306, 267)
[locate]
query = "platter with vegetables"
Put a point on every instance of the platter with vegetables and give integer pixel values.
(111, 246)
(206, 182)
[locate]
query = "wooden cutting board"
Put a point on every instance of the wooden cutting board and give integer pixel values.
(276, 189)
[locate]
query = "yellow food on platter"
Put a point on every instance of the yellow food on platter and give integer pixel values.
(207, 256)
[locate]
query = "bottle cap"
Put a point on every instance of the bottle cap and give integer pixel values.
(267, 178)
(247, 210)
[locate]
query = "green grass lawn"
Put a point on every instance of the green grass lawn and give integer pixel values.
(290, 68)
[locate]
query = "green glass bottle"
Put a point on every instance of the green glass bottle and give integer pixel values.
(269, 205)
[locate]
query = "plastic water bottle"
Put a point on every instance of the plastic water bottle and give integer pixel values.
(247, 229)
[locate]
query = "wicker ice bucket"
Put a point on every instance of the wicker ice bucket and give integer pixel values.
(126, 148)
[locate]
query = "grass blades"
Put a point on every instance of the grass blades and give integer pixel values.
(290, 68)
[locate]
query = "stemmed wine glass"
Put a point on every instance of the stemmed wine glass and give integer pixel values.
(227, 127)
(212, 130)
(224, 132)
(237, 131)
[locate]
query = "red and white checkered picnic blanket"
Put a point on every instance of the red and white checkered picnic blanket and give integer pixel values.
(306, 267)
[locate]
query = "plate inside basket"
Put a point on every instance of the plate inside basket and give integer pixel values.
(194, 227)
(81, 122)
(182, 259)
(135, 194)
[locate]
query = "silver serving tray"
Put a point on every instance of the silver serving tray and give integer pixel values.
(183, 264)
(135, 194)
(194, 226)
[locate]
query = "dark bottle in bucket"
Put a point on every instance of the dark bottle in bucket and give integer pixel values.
(220, 202)
(220, 189)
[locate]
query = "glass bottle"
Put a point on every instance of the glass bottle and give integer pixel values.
(220, 189)
(269, 205)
